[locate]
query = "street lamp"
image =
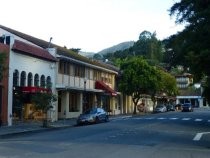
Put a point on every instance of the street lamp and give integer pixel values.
(198, 88)
(84, 95)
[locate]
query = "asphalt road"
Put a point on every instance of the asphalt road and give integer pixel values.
(171, 134)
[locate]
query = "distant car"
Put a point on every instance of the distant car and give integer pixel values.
(170, 107)
(160, 108)
(94, 115)
(178, 106)
(187, 107)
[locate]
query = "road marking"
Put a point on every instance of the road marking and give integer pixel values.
(174, 118)
(208, 120)
(138, 118)
(198, 120)
(161, 118)
(149, 118)
(199, 135)
(186, 119)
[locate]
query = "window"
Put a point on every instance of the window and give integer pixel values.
(36, 80)
(64, 67)
(23, 78)
(16, 78)
(73, 102)
(8, 40)
(43, 81)
(30, 79)
(79, 71)
(49, 83)
(59, 101)
(61, 67)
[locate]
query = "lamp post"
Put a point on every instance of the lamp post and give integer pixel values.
(84, 95)
(199, 88)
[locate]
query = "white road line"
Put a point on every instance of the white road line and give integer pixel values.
(137, 118)
(149, 118)
(174, 118)
(186, 119)
(198, 120)
(208, 120)
(199, 135)
(161, 118)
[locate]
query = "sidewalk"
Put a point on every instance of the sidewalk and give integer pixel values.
(33, 127)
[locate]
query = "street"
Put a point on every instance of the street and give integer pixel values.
(161, 135)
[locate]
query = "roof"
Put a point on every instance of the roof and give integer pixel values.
(185, 75)
(190, 92)
(31, 50)
(60, 50)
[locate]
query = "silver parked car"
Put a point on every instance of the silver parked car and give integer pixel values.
(94, 115)
(160, 108)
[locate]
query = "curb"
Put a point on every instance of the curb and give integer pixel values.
(26, 132)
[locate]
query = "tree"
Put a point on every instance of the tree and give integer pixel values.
(192, 44)
(138, 78)
(168, 83)
(207, 90)
(43, 102)
(194, 39)
(148, 46)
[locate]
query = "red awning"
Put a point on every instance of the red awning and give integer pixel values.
(105, 87)
(34, 89)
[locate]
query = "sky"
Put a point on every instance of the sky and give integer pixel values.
(91, 25)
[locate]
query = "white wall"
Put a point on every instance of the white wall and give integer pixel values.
(28, 64)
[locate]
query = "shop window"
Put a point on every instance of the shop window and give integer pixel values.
(73, 102)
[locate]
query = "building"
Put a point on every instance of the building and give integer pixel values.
(28, 71)
(188, 92)
(79, 83)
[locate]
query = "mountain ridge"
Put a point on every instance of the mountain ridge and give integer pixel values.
(112, 49)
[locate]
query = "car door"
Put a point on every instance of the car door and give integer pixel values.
(100, 114)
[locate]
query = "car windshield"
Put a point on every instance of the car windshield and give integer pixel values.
(91, 111)
(187, 104)
(159, 106)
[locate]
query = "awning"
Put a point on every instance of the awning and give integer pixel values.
(34, 89)
(105, 87)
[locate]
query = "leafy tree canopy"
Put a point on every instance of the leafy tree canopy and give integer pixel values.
(138, 78)
(43, 101)
(168, 83)
(191, 46)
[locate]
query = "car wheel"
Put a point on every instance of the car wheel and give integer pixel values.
(97, 120)
(106, 119)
